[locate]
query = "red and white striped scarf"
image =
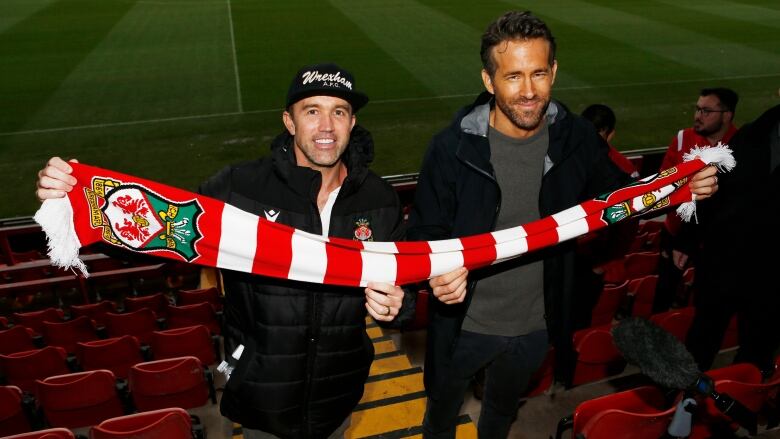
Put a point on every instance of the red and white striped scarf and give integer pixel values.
(144, 216)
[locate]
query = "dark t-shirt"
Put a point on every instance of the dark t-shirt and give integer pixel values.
(509, 297)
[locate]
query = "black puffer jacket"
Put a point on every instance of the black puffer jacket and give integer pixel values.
(306, 352)
(458, 195)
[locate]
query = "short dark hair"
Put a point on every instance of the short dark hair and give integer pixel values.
(728, 97)
(513, 25)
(601, 116)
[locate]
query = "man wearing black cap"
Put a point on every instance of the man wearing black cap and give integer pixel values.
(304, 352)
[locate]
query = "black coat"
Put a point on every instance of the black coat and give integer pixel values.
(306, 353)
(457, 195)
(731, 226)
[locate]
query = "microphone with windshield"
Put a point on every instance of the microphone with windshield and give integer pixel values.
(667, 362)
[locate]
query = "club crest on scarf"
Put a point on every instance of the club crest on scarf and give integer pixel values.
(133, 216)
(647, 202)
(363, 230)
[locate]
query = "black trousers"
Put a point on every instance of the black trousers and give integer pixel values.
(758, 334)
(509, 363)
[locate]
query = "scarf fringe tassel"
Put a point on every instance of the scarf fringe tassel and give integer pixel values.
(56, 219)
(720, 156)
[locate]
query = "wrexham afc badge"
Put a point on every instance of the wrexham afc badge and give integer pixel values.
(363, 230)
(136, 217)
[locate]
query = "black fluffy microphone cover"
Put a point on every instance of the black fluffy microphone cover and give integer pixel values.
(657, 352)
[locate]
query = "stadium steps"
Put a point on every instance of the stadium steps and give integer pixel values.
(393, 402)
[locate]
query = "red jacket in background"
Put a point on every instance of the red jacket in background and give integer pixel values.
(685, 140)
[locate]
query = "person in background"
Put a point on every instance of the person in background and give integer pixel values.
(735, 230)
(603, 118)
(713, 123)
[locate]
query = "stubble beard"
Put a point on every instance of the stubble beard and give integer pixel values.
(526, 120)
(322, 159)
(704, 132)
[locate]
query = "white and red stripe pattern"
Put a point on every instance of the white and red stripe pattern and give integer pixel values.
(233, 239)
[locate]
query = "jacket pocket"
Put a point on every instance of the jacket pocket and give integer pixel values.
(243, 365)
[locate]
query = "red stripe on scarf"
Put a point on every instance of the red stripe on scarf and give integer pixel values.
(345, 266)
(479, 250)
(210, 227)
(414, 266)
(273, 255)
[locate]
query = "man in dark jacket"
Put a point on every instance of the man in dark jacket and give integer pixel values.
(304, 354)
(734, 239)
(511, 157)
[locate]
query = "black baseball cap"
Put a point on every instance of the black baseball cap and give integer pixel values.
(326, 79)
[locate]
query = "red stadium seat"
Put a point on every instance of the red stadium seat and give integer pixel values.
(67, 334)
(190, 315)
(51, 433)
(597, 356)
(179, 342)
(158, 303)
(79, 399)
(675, 321)
(95, 311)
(641, 421)
(742, 382)
(34, 319)
(636, 413)
(12, 417)
(139, 323)
(116, 354)
(641, 264)
(609, 302)
(642, 293)
(16, 339)
(208, 295)
(3, 322)
(168, 423)
(23, 368)
(174, 382)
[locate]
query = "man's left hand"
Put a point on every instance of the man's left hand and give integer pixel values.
(704, 183)
(383, 300)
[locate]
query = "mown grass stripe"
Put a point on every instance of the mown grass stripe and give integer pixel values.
(41, 51)
(711, 54)
(437, 50)
(729, 10)
(160, 59)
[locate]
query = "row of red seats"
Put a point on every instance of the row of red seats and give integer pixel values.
(117, 354)
(84, 399)
(141, 324)
(599, 358)
(645, 412)
(169, 423)
(631, 297)
(156, 302)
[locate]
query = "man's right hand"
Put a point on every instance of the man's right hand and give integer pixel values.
(450, 288)
(54, 181)
(679, 258)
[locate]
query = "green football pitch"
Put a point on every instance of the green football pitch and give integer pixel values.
(174, 89)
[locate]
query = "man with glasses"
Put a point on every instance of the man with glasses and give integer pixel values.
(713, 122)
